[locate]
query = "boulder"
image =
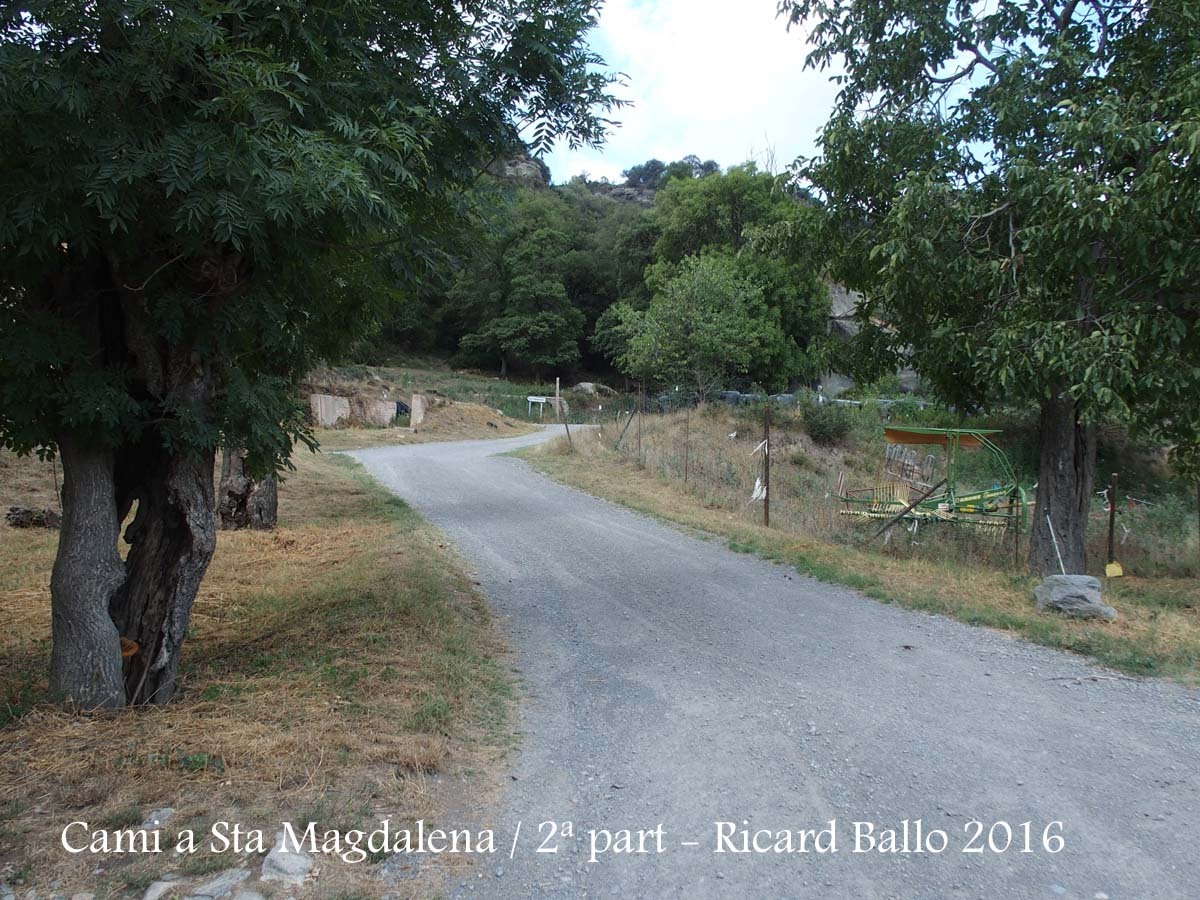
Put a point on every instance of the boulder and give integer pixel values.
(287, 865)
(421, 406)
(221, 886)
(329, 411)
(159, 889)
(592, 388)
(1074, 596)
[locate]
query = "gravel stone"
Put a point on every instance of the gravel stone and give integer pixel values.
(689, 673)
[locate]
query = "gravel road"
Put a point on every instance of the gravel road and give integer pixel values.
(671, 682)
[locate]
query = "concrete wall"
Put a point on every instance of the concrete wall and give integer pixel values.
(375, 413)
(419, 407)
(329, 411)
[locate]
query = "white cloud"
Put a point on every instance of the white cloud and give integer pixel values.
(723, 79)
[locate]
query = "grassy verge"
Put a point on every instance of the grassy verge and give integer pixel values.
(333, 666)
(1158, 632)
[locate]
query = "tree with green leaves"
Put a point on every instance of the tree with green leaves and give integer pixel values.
(1013, 188)
(705, 325)
(645, 175)
(730, 213)
(189, 195)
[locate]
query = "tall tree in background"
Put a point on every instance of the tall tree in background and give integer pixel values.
(705, 325)
(645, 174)
(726, 213)
(510, 297)
(186, 193)
(1013, 187)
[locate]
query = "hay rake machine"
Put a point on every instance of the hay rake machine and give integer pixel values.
(907, 490)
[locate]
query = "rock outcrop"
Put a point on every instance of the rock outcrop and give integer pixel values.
(1074, 596)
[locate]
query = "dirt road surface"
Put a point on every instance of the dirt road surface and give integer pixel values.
(671, 684)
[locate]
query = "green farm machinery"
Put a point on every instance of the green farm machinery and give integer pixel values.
(916, 488)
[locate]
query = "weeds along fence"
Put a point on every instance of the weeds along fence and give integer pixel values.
(583, 409)
(713, 453)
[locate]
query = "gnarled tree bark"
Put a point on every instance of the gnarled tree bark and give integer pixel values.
(85, 659)
(172, 539)
(242, 501)
(1066, 474)
(97, 600)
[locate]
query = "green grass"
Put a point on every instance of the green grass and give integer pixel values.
(129, 817)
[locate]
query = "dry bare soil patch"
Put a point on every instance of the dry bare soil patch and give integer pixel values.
(340, 669)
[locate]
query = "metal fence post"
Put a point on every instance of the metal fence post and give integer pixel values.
(767, 465)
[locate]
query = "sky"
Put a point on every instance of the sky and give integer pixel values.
(723, 79)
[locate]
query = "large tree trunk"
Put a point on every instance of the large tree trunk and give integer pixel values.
(172, 539)
(1066, 474)
(242, 501)
(95, 599)
(85, 659)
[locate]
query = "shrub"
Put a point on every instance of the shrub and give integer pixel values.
(826, 424)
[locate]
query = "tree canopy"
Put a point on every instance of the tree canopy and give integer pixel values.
(191, 197)
(1013, 189)
(705, 325)
(729, 215)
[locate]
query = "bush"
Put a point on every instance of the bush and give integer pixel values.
(826, 424)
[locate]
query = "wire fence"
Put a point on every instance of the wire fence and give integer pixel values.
(718, 456)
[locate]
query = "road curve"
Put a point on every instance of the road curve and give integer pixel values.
(671, 681)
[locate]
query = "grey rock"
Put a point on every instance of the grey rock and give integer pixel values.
(6, 893)
(221, 886)
(286, 865)
(157, 818)
(1074, 596)
(248, 895)
(83, 897)
(159, 889)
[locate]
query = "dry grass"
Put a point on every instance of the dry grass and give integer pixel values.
(28, 481)
(966, 575)
(434, 377)
(333, 664)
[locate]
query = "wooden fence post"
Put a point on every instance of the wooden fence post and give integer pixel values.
(687, 422)
(641, 403)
